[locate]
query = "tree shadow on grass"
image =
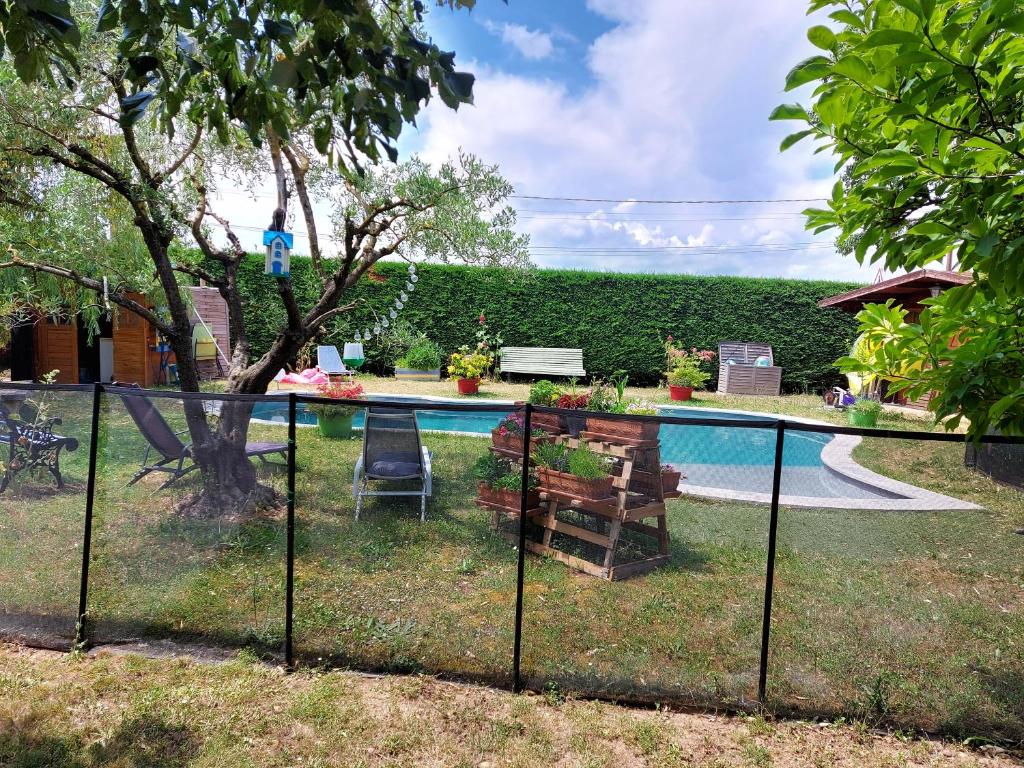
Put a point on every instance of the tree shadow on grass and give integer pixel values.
(143, 741)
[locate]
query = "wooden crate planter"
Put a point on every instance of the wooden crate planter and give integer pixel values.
(670, 480)
(570, 485)
(505, 500)
(632, 431)
(552, 423)
(512, 445)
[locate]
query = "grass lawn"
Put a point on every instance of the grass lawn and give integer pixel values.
(122, 710)
(909, 618)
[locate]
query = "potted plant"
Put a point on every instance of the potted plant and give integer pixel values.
(335, 421)
(421, 361)
(576, 472)
(686, 369)
(467, 367)
(545, 393)
(670, 477)
(508, 435)
(574, 401)
(499, 483)
(864, 412)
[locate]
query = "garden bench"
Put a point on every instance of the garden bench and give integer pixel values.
(543, 361)
(33, 444)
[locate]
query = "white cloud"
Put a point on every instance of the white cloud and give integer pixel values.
(531, 43)
(674, 105)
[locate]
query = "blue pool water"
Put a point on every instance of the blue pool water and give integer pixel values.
(680, 444)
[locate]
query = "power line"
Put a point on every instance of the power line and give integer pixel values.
(670, 202)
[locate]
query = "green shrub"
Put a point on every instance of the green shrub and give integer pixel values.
(423, 355)
(490, 467)
(544, 392)
(618, 320)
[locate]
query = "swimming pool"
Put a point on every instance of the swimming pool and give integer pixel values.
(722, 462)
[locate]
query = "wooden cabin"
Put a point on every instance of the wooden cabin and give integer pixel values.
(127, 349)
(907, 291)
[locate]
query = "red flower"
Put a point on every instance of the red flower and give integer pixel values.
(482, 318)
(669, 339)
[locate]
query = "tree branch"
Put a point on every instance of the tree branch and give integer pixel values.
(94, 285)
(189, 151)
(299, 170)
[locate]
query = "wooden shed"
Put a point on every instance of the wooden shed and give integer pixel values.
(127, 348)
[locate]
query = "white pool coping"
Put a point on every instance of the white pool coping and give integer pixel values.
(836, 456)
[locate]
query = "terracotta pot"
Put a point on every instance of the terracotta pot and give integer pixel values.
(563, 482)
(624, 428)
(552, 423)
(670, 480)
(680, 393)
(506, 499)
(468, 386)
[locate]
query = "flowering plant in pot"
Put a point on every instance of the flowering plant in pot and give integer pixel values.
(577, 472)
(508, 435)
(500, 483)
(574, 401)
(864, 413)
(335, 421)
(467, 368)
(687, 370)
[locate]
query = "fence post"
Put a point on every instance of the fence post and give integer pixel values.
(524, 491)
(90, 495)
(773, 524)
(289, 594)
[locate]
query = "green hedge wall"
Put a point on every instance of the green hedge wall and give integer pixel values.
(617, 319)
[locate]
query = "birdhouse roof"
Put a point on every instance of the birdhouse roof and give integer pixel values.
(269, 236)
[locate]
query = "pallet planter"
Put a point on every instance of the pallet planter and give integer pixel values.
(512, 445)
(552, 423)
(624, 429)
(503, 500)
(598, 489)
(670, 480)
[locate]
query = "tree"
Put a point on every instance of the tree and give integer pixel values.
(921, 103)
(149, 113)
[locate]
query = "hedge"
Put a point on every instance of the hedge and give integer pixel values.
(619, 320)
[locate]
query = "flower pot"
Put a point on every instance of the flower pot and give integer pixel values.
(551, 423)
(862, 418)
(468, 386)
(562, 482)
(670, 480)
(514, 443)
(575, 424)
(507, 500)
(623, 428)
(335, 425)
(680, 393)
(417, 374)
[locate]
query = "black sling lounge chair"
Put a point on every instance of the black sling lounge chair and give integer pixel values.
(175, 456)
(392, 452)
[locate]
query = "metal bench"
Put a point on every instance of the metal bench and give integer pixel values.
(33, 445)
(543, 361)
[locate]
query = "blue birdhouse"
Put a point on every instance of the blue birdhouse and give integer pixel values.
(279, 249)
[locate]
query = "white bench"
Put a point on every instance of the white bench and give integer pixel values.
(543, 361)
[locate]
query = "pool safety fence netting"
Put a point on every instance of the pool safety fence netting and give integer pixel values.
(712, 559)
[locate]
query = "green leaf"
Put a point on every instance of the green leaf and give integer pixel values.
(813, 68)
(788, 112)
(847, 17)
(107, 18)
(891, 37)
(986, 243)
(854, 68)
(822, 37)
(793, 138)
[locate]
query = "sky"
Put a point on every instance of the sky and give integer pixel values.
(635, 100)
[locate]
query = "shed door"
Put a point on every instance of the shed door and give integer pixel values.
(57, 349)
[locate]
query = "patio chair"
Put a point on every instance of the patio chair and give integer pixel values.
(33, 444)
(392, 453)
(172, 451)
(329, 361)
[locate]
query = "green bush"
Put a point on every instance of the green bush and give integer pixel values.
(619, 320)
(422, 355)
